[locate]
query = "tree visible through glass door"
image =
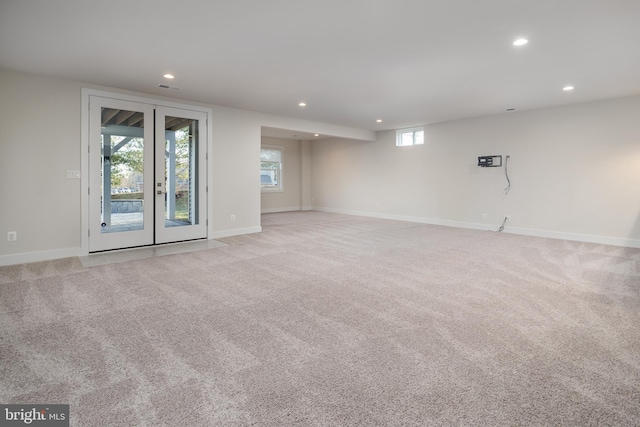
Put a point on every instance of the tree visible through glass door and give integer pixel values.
(181, 142)
(122, 172)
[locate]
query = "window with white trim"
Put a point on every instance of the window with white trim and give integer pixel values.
(412, 136)
(271, 168)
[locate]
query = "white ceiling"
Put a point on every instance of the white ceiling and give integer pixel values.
(408, 62)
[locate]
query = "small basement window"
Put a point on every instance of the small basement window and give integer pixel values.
(271, 168)
(412, 136)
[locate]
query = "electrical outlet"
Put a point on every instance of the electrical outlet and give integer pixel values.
(484, 216)
(12, 236)
(233, 217)
(73, 174)
(508, 218)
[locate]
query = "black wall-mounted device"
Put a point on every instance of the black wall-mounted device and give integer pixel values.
(490, 161)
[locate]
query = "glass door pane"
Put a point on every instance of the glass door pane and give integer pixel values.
(121, 154)
(122, 172)
(180, 174)
(180, 171)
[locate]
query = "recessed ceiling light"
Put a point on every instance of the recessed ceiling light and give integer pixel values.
(567, 88)
(520, 42)
(302, 104)
(316, 134)
(169, 76)
(379, 121)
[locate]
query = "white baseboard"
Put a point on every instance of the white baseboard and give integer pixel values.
(25, 258)
(276, 210)
(289, 209)
(587, 238)
(408, 218)
(603, 240)
(235, 232)
(28, 257)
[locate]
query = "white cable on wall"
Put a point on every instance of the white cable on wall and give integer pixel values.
(506, 174)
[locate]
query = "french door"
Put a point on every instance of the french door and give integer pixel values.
(147, 167)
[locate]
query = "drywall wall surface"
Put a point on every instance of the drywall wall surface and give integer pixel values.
(234, 200)
(39, 142)
(574, 171)
(289, 198)
(305, 175)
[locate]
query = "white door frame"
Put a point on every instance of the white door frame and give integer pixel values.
(85, 159)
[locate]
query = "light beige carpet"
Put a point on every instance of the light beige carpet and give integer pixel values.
(332, 320)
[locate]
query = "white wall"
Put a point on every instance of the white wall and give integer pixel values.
(234, 166)
(575, 173)
(40, 139)
(305, 176)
